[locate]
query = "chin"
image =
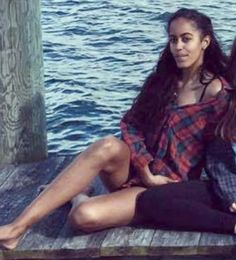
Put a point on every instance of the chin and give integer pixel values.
(182, 65)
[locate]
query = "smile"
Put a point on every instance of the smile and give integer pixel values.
(181, 57)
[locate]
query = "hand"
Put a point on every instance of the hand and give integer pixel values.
(156, 180)
(232, 208)
(149, 180)
(135, 181)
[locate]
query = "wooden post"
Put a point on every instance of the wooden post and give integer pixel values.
(22, 109)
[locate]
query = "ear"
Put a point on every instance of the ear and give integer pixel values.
(206, 41)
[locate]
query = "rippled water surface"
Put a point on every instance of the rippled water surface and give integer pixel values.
(98, 53)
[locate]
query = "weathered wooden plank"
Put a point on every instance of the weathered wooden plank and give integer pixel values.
(220, 244)
(127, 241)
(174, 243)
(11, 190)
(99, 188)
(36, 254)
(5, 172)
(211, 239)
(78, 244)
(47, 255)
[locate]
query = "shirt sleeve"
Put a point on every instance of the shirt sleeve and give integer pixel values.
(134, 138)
(221, 168)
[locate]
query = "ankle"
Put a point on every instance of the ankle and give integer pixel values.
(17, 229)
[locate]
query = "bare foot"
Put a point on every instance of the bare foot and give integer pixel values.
(10, 236)
(82, 196)
(232, 208)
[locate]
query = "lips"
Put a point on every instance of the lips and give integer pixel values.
(181, 57)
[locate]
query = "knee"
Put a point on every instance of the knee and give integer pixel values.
(112, 147)
(84, 218)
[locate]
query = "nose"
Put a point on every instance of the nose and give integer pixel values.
(179, 45)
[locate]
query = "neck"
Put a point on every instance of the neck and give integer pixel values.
(192, 73)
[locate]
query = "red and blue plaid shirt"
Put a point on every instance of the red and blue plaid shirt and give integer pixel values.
(176, 149)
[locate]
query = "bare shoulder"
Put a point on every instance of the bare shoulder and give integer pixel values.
(213, 88)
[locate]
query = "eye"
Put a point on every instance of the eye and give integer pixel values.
(173, 40)
(186, 39)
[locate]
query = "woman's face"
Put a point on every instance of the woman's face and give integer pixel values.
(186, 43)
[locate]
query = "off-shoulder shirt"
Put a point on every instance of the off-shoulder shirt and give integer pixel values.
(176, 147)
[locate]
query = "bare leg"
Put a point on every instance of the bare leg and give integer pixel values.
(109, 155)
(104, 211)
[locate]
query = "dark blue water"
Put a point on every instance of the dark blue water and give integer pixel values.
(98, 53)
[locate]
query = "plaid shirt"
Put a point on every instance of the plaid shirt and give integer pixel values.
(221, 168)
(176, 148)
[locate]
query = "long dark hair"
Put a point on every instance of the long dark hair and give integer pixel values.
(158, 89)
(226, 129)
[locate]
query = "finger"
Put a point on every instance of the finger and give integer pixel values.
(125, 185)
(135, 180)
(169, 180)
(128, 185)
(131, 182)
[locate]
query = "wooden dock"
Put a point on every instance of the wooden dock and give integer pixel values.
(53, 238)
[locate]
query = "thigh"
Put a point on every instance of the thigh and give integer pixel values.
(197, 190)
(114, 209)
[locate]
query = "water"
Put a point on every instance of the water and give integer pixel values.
(97, 55)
